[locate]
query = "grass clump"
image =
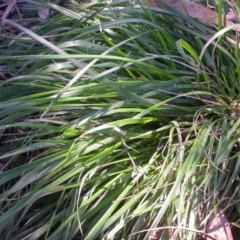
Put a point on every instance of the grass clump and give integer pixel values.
(113, 122)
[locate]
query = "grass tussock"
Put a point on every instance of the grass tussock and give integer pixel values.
(115, 119)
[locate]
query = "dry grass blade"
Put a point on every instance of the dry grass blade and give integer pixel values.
(9, 8)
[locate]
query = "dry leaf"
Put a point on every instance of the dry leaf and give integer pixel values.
(196, 11)
(192, 9)
(43, 13)
(218, 227)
